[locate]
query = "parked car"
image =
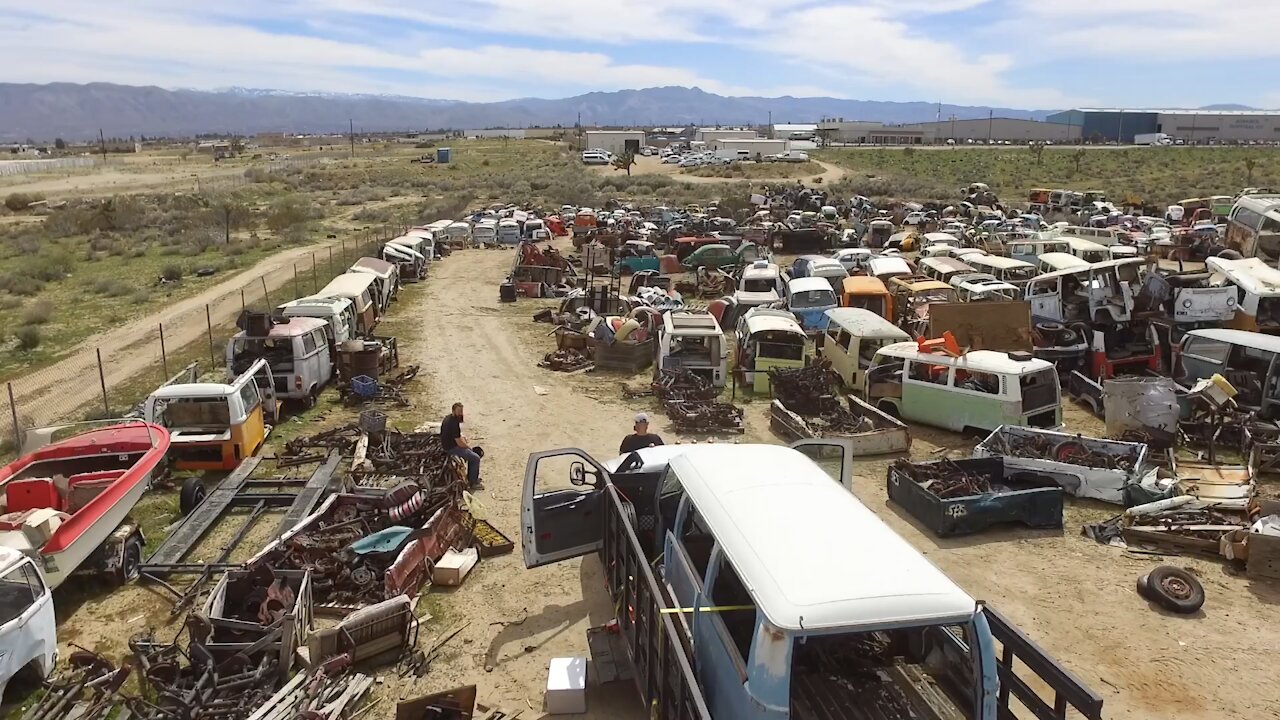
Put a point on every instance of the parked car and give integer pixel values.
(28, 631)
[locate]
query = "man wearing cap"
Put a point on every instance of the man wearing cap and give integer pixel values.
(639, 439)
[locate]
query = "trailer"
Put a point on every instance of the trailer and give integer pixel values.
(874, 432)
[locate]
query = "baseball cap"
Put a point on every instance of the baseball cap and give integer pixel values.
(642, 417)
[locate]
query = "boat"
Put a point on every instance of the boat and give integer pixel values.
(65, 500)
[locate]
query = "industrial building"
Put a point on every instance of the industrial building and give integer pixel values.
(795, 131)
(708, 135)
(615, 141)
(1190, 126)
(870, 133)
(1012, 129)
(753, 146)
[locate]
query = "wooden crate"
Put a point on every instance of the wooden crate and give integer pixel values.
(1264, 556)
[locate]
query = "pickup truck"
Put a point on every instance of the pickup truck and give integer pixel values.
(746, 590)
(794, 156)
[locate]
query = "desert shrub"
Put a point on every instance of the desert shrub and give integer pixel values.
(49, 265)
(28, 337)
(10, 302)
(111, 287)
(37, 313)
(20, 201)
(290, 212)
(172, 272)
(20, 284)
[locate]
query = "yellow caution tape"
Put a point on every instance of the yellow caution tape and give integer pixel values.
(710, 608)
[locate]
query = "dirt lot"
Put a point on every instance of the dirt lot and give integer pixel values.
(653, 165)
(1074, 597)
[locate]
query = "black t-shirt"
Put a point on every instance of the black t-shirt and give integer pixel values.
(450, 431)
(634, 442)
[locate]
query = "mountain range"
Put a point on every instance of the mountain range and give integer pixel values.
(78, 111)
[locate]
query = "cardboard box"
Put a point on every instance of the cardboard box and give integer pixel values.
(1234, 545)
(567, 686)
(454, 566)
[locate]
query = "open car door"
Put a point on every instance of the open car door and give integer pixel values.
(562, 506)
(833, 455)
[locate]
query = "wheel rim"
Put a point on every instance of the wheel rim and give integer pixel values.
(1176, 588)
(132, 561)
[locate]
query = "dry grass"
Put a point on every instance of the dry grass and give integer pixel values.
(1153, 175)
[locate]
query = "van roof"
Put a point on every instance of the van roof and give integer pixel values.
(1104, 265)
(981, 360)
(863, 285)
(998, 261)
(689, 323)
(1082, 244)
(1252, 274)
(1245, 338)
(760, 319)
(193, 390)
(336, 304)
(296, 326)
(348, 285)
(839, 567)
(9, 558)
(1062, 261)
(865, 323)
(380, 267)
(808, 284)
(946, 264)
(881, 264)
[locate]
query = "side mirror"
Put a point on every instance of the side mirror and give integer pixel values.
(578, 474)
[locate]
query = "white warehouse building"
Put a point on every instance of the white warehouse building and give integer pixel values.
(615, 141)
(753, 146)
(709, 135)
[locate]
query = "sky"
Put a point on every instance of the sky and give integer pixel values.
(1029, 54)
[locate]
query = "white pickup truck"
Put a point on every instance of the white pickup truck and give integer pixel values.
(795, 156)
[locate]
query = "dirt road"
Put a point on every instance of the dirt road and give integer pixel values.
(1074, 597)
(653, 165)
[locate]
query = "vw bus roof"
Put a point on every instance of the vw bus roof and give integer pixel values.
(822, 575)
(980, 360)
(865, 323)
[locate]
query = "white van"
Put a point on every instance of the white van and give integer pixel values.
(297, 351)
(1055, 261)
(338, 313)
(851, 340)
(1088, 250)
(28, 629)
(1014, 272)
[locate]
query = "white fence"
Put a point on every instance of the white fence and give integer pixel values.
(22, 167)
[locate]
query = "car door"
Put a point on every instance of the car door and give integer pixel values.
(562, 506)
(833, 455)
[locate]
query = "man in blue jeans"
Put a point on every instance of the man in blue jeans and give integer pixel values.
(455, 444)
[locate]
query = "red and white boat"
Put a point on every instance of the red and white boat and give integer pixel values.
(69, 501)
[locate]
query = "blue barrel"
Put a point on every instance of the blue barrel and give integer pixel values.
(443, 155)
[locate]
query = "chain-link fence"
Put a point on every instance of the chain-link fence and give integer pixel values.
(111, 381)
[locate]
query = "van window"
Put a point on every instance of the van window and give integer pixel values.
(19, 589)
(728, 591)
(982, 382)
(308, 344)
(1039, 389)
(249, 396)
(844, 339)
(874, 303)
(1203, 348)
(928, 373)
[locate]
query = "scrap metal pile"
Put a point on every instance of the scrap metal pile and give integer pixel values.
(1072, 451)
(190, 682)
(689, 401)
(810, 392)
(328, 692)
(391, 457)
(361, 390)
(565, 360)
(90, 692)
(945, 478)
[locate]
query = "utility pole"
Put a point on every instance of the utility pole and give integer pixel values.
(991, 114)
(351, 132)
(102, 145)
(770, 128)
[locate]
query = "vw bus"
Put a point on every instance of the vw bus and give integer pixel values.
(851, 340)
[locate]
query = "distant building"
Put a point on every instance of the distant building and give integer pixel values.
(1012, 129)
(1191, 126)
(711, 134)
(509, 133)
(871, 133)
(795, 131)
(615, 141)
(753, 146)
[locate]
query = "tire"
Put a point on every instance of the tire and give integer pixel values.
(309, 401)
(889, 409)
(1067, 449)
(130, 561)
(192, 494)
(1175, 589)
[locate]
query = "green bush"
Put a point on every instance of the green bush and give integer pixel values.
(28, 337)
(290, 212)
(10, 302)
(172, 272)
(20, 284)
